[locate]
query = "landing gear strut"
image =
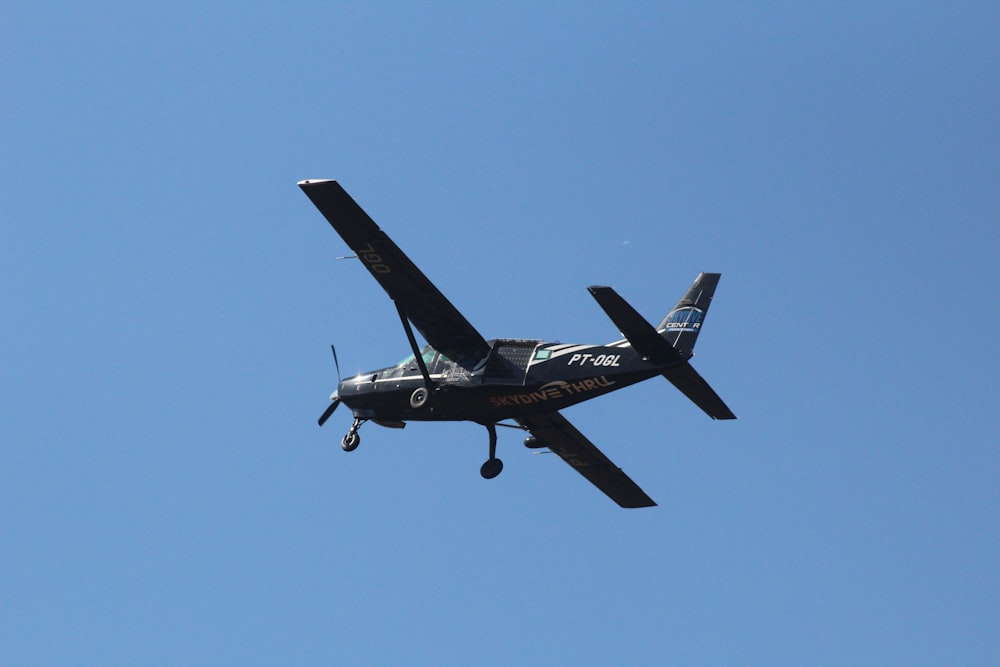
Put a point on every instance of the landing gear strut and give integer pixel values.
(351, 441)
(493, 465)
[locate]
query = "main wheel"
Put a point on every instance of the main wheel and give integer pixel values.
(491, 468)
(418, 398)
(350, 441)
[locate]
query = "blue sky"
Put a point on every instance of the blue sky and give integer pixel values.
(169, 297)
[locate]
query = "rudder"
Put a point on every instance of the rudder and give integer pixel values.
(683, 323)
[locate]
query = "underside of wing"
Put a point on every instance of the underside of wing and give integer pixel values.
(575, 449)
(438, 321)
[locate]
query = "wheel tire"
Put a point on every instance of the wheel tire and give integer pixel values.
(418, 398)
(491, 468)
(350, 441)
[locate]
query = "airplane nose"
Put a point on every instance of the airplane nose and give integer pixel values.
(347, 387)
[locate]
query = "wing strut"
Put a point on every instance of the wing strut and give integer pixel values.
(437, 320)
(413, 345)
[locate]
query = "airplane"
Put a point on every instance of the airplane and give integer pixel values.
(461, 376)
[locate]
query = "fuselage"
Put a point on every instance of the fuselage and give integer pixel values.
(517, 377)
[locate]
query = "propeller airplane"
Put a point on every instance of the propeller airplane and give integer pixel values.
(461, 376)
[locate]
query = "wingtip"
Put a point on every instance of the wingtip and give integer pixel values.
(314, 181)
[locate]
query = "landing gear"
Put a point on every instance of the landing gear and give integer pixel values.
(351, 441)
(491, 468)
(493, 465)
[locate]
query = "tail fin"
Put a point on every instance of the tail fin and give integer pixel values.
(683, 323)
(671, 342)
(680, 328)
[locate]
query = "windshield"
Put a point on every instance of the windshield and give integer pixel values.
(427, 354)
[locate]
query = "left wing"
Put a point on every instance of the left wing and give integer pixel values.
(437, 320)
(575, 449)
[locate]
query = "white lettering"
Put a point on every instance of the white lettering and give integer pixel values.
(601, 360)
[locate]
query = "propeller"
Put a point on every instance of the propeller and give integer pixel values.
(329, 411)
(334, 398)
(335, 362)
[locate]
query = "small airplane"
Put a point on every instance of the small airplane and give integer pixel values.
(460, 376)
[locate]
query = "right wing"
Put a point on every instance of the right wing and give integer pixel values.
(575, 449)
(437, 320)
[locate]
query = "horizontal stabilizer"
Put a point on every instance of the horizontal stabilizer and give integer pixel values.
(692, 385)
(640, 334)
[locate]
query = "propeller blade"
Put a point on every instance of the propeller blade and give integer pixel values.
(335, 362)
(329, 411)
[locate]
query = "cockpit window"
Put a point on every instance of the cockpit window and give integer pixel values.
(427, 354)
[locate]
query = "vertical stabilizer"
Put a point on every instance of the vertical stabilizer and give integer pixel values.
(672, 342)
(683, 323)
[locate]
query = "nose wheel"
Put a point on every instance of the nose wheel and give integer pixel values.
(351, 441)
(493, 465)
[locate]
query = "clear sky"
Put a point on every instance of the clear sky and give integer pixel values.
(169, 297)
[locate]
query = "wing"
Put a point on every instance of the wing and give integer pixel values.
(573, 447)
(425, 306)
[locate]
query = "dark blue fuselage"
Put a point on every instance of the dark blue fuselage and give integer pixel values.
(516, 378)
